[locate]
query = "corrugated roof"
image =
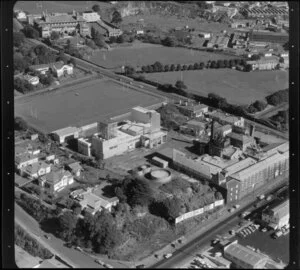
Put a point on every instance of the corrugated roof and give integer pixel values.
(245, 163)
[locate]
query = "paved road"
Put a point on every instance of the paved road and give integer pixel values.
(184, 253)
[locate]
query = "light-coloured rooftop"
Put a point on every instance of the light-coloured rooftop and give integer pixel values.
(66, 131)
(244, 254)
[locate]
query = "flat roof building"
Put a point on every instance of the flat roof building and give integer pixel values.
(243, 257)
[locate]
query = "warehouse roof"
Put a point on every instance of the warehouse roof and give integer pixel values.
(244, 254)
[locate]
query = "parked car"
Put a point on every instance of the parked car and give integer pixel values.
(47, 237)
(244, 214)
(237, 206)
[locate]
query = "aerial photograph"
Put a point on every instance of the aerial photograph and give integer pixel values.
(151, 134)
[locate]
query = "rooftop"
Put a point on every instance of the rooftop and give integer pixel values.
(224, 128)
(60, 19)
(197, 123)
(224, 116)
(244, 254)
(245, 163)
(217, 161)
(66, 131)
(75, 166)
(243, 174)
(56, 175)
(25, 157)
(281, 210)
(35, 167)
(241, 137)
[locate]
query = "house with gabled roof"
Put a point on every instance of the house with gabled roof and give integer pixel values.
(56, 180)
(75, 168)
(35, 170)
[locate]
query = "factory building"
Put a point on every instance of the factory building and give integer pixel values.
(142, 130)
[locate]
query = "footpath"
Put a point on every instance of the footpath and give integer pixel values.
(212, 221)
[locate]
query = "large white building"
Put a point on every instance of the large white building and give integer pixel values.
(142, 129)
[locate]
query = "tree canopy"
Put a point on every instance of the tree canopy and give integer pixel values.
(116, 17)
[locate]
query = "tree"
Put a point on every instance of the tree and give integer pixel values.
(169, 41)
(120, 39)
(158, 66)
(67, 224)
(184, 67)
(202, 65)
(54, 35)
(255, 57)
(180, 85)
(218, 195)
(96, 8)
(72, 61)
(20, 63)
(171, 208)
(260, 105)
(63, 57)
(129, 70)
(91, 44)
(178, 67)
(116, 17)
(172, 67)
(18, 38)
(190, 67)
(196, 66)
(30, 32)
(166, 68)
(213, 64)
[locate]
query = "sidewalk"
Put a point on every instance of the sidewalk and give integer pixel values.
(212, 221)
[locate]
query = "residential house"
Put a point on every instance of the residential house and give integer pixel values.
(277, 216)
(56, 180)
(225, 118)
(205, 35)
(59, 69)
(218, 42)
(75, 168)
(92, 200)
(111, 30)
(194, 127)
(34, 80)
(21, 15)
(191, 109)
(243, 257)
(269, 63)
(25, 159)
(35, 170)
(90, 16)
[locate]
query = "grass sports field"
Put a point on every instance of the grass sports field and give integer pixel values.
(37, 7)
(237, 87)
(150, 54)
(81, 104)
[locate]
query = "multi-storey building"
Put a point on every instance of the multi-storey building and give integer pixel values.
(191, 109)
(62, 24)
(143, 129)
(277, 216)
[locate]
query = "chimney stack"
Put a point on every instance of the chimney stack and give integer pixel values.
(252, 129)
(212, 130)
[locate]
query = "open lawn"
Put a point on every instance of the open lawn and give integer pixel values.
(150, 54)
(81, 104)
(167, 22)
(236, 86)
(37, 7)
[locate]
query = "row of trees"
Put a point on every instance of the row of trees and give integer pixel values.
(29, 244)
(257, 106)
(158, 67)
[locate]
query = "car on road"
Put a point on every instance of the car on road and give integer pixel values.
(99, 261)
(237, 206)
(140, 266)
(47, 237)
(141, 86)
(108, 266)
(261, 197)
(231, 210)
(269, 198)
(79, 249)
(244, 214)
(216, 241)
(168, 255)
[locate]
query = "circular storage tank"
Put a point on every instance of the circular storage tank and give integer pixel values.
(160, 175)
